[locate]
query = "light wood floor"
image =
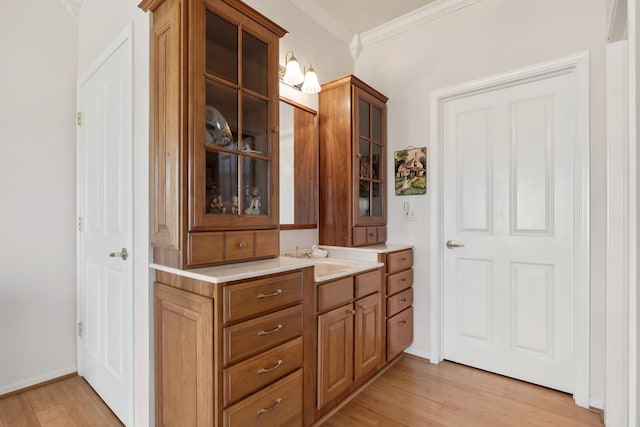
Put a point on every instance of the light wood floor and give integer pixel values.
(412, 393)
(69, 403)
(416, 393)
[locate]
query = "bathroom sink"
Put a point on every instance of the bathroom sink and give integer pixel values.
(327, 268)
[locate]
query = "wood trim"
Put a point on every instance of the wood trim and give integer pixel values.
(578, 66)
(350, 78)
(150, 5)
(298, 105)
(40, 384)
(257, 17)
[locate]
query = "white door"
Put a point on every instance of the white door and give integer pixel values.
(508, 198)
(105, 273)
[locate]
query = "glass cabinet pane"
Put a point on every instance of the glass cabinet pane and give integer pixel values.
(254, 64)
(221, 116)
(364, 200)
(255, 119)
(364, 159)
(221, 183)
(221, 48)
(376, 157)
(363, 118)
(376, 125)
(376, 199)
(255, 178)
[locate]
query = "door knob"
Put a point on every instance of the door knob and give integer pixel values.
(122, 254)
(451, 244)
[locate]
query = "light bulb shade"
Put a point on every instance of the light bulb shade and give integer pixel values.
(311, 84)
(293, 75)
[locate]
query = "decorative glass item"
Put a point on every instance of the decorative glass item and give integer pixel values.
(217, 131)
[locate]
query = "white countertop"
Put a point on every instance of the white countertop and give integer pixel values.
(363, 253)
(329, 269)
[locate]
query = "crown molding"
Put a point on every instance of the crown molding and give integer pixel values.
(73, 6)
(325, 20)
(410, 20)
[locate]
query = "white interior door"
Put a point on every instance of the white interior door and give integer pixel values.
(508, 184)
(105, 273)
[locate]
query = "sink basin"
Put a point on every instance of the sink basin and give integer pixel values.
(328, 268)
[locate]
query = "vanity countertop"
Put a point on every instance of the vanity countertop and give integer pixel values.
(327, 269)
(364, 253)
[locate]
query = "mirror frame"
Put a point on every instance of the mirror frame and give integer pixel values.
(302, 186)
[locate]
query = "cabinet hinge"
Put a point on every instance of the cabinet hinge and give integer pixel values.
(79, 118)
(80, 329)
(79, 223)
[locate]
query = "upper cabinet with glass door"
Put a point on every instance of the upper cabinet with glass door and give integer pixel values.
(353, 200)
(214, 151)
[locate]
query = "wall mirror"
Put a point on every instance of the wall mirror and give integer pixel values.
(298, 166)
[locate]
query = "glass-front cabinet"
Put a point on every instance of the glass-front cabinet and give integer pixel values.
(353, 200)
(215, 135)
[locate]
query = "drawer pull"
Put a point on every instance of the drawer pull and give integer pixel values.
(276, 329)
(242, 245)
(362, 306)
(275, 405)
(351, 312)
(402, 323)
(403, 259)
(265, 370)
(372, 234)
(273, 294)
(402, 281)
(402, 301)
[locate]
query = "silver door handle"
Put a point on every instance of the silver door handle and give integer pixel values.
(122, 254)
(451, 244)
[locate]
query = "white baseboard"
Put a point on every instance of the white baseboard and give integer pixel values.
(4, 389)
(596, 403)
(414, 351)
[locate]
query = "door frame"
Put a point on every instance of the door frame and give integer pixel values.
(123, 40)
(578, 67)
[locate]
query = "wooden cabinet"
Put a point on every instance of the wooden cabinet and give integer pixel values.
(350, 343)
(398, 301)
(353, 204)
(214, 132)
(234, 354)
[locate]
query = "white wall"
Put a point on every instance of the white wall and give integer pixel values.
(37, 175)
(100, 22)
(484, 39)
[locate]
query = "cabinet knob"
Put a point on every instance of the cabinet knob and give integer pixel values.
(372, 234)
(402, 323)
(242, 245)
(351, 312)
(362, 306)
(402, 301)
(402, 281)
(276, 129)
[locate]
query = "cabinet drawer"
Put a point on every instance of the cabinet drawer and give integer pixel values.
(399, 332)
(240, 245)
(250, 337)
(335, 293)
(398, 261)
(205, 248)
(368, 283)
(251, 375)
(399, 302)
(279, 405)
(399, 281)
(267, 243)
(259, 296)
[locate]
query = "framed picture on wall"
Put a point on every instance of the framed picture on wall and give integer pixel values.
(411, 171)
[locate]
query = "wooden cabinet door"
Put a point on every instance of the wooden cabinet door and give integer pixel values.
(368, 334)
(335, 353)
(183, 355)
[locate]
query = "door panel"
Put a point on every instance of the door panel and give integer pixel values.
(105, 283)
(508, 198)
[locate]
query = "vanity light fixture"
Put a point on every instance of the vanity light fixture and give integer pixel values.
(311, 84)
(292, 75)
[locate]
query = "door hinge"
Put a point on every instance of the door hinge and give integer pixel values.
(79, 118)
(79, 223)
(80, 329)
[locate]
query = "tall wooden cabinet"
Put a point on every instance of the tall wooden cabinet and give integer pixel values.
(214, 132)
(353, 204)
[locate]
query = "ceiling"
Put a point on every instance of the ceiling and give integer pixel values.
(346, 18)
